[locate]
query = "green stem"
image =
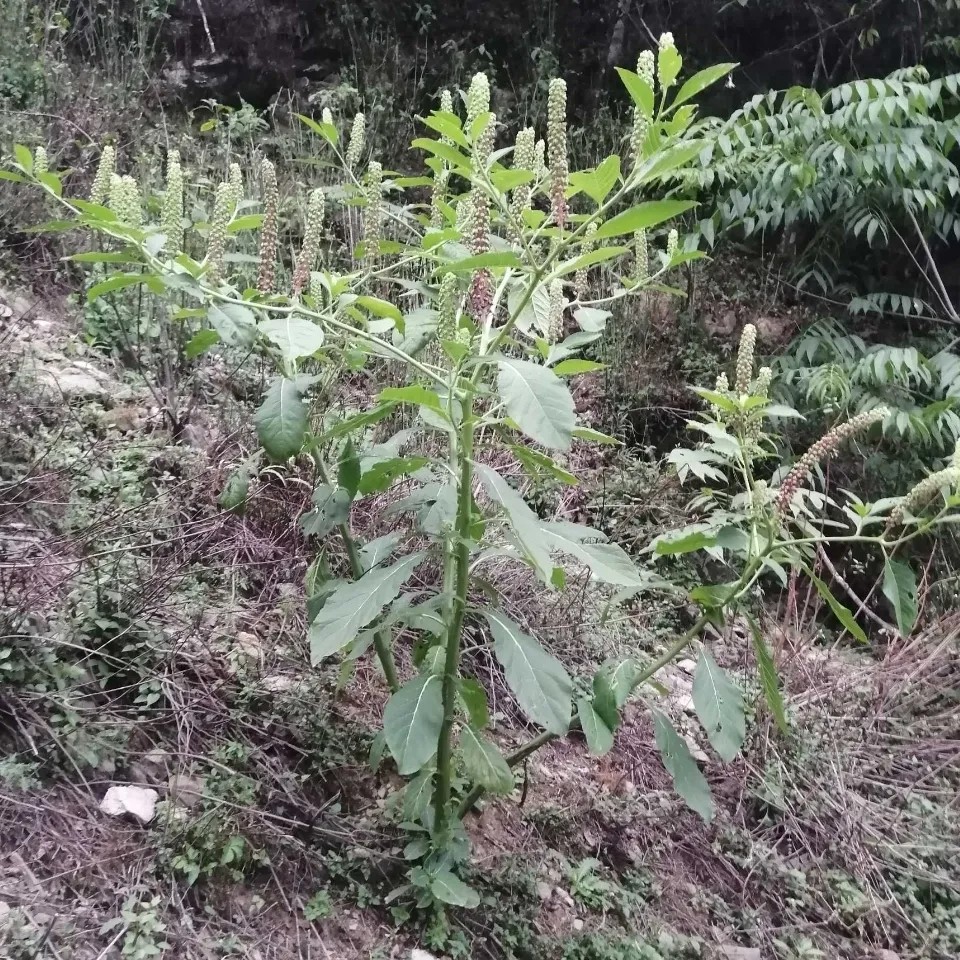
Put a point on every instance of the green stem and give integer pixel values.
(381, 642)
(461, 583)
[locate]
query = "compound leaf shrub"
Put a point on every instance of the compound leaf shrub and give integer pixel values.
(478, 287)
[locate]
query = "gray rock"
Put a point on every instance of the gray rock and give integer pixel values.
(732, 952)
(544, 890)
(138, 802)
(187, 791)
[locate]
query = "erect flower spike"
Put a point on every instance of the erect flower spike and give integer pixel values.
(580, 277)
(524, 158)
(171, 210)
(438, 193)
(270, 197)
(539, 157)
(217, 236)
(100, 190)
(722, 387)
(641, 255)
(327, 116)
(557, 149)
(311, 241)
(484, 143)
(666, 46)
(646, 65)
(478, 97)
(825, 447)
(125, 200)
(40, 162)
(744, 373)
(673, 240)
(554, 329)
(355, 144)
(764, 379)
(235, 180)
(373, 214)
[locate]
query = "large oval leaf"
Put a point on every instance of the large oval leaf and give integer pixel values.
(282, 420)
(900, 588)
(412, 720)
(688, 781)
(719, 705)
(540, 683)
(642, 217)
(538, 401)
(294, 335)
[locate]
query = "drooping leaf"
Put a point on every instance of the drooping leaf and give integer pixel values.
(293, 334)
(282, 420)
(607, 562)
(382, 474)
(839, 610)
(538, 680)
(605, 699)
(700, 81)
(538, 401)
(374, 552)
(416, 795)
(483, 762)
(356, 604)
(331, 507)
(769, 680)
(525, 523)
(685, 543)
(449, 888)
(688, 781)
(719, 705)
(900, 588)
(200, 342)
(599, 735)
(411, 721)
(348, 469)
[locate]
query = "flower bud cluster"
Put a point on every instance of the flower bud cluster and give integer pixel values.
(448, 305)
(125, 200)
(825, 447)
(327, 116)
(40, 162)
(217, 236)
(100, 190)
(235, 179)
(673, 241)
(312, 233)
(539, 158)
(557, 149)
(270, 197)
(555, 312)
(355, 143)
(478, 97)
(722, 386)
(923, 492)
(744, 372)
(481, 286)
(641, 257)
(171, 210)
(524, 158)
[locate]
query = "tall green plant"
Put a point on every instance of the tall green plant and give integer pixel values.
(493, 275)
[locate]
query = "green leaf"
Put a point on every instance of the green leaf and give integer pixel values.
(598, 183)
(118, 281)
(357, 422)
(483, 762)
(605, 699)
(640, 91)
(540, 683)
(14, 178)
(688, 781)
(416, 795)
(538, 401)
(331, 507)
(769, 680)
(622, 677)
(900, 588)
(449, 888)
(375, 551)
(348, 469)
(479, 261)
(380, 476)
(293, 334)
(685, 543)
(669, 63)
(700, 81)
(200, 342)
(251, 221)
(839, 610)
(444, 151)
(235, 323)
(525, 523)
(412, 720)
(475, 702)
(326, 130)
(642, 217)
(380, 308)
(357, 604)
(719, 705)
(233, 497)
(282, 420)
(595, 436)
(586, 260)
(23, 156)
(599, 735)
(415, 394)
(607, 562)
(575, 366)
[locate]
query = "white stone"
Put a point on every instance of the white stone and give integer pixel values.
(731, 952)
(687, 666)
(139, 802)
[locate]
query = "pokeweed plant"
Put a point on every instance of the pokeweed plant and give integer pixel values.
(494, 274)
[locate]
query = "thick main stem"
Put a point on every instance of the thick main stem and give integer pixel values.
(458, 609)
